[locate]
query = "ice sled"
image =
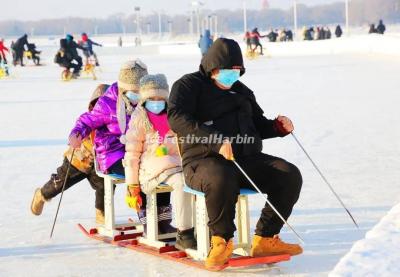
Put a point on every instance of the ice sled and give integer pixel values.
(130, 234)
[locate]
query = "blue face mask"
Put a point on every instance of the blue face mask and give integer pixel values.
(155, 106)
(132, 96)
(227, 77)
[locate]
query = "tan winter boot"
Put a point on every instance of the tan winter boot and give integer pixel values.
(273, 246)
(219, 254)
(37, 202)
(99, 217)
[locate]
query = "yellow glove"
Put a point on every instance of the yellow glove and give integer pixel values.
(133, 198)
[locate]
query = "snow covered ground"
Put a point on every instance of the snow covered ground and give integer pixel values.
(345, 111)
(376, 255)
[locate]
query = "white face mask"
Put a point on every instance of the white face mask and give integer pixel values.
(133, 97)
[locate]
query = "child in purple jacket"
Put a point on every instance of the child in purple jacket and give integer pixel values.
(109, 119)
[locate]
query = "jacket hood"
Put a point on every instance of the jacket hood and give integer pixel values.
(97, 93)
(207, 33)
(69, 37)
(223, 54)
(63, 43)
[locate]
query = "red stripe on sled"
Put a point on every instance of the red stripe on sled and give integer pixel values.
(247, 261)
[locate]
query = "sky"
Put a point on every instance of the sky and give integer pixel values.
(102, 8)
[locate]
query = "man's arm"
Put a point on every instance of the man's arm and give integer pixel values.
(259, 35)
(267, 128)
(95, 43)
(99, 116)
(79, 46)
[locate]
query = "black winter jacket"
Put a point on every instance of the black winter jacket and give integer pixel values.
(70, 49)
(197, 107)
(20, 43)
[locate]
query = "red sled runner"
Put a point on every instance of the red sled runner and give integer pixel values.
(129, 235)
(169, 252)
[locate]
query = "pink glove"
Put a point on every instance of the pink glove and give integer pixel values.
(283, 125)
(75, 141)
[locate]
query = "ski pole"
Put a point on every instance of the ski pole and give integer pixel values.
(62, 191)
(325, 180)
(269, 203)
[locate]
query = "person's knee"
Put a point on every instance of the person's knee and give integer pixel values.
(176, 181)
(292, 174)
(295, 181)
(298, 175)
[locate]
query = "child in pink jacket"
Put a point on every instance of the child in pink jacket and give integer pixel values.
(152, 156)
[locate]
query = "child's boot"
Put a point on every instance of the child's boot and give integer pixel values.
(100, 217)
(219, 254)
(165, 219)
(37, 202)
(143, 219)
(266, 246)
(185, 239)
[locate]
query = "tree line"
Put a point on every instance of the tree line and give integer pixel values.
(362, 12)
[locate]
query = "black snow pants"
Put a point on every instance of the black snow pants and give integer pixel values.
(54, 186)
(256, 43)
(75, 66)
(221, 181)
(19, 57)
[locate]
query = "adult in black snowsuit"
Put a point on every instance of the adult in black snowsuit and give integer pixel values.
(199, 106)
(68, 56)
(338, 31)
(328, 33)
(289, 35)
(372, 29)
(321, 33)
(309, 34)
(71, 49)
(18, 49)
(272, 36)
(381, 28)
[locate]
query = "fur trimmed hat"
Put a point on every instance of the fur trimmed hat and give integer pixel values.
(130, 74)
(152, 86)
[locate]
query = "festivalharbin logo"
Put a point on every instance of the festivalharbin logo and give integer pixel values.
(211, 139)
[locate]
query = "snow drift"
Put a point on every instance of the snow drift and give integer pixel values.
(376, 255)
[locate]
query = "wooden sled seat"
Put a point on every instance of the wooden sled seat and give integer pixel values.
(243, 245)
(111, 228)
